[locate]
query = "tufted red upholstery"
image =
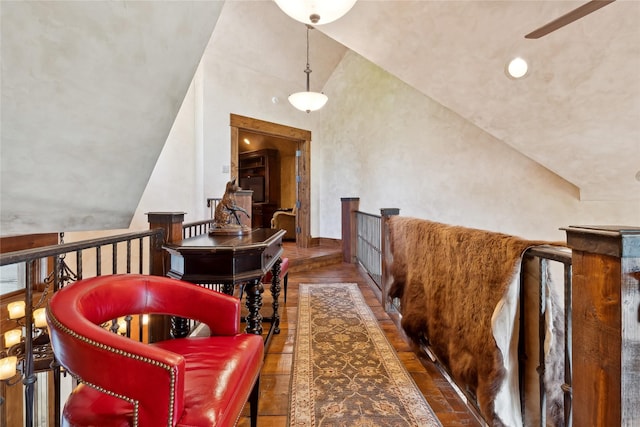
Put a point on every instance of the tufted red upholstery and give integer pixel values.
(284, 276)
(199, 381)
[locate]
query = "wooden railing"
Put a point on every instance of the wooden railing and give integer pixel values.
(124, 253)
(197, 228)
(601, 299)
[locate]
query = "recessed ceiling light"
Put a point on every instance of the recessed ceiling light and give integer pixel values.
(246, 141)
(517, 68)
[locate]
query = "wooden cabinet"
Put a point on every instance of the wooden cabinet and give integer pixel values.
(262, 214)
(259, 171)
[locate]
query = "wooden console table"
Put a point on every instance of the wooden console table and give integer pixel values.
(232, 260)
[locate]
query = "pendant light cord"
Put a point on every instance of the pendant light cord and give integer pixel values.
(308, 69)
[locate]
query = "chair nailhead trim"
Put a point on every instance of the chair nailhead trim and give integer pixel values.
(102, 346)
(134, 402)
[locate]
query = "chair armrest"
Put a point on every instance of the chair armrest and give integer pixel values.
(84, 348)
(279, 213)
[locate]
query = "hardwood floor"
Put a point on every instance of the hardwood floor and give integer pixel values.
(276, 373)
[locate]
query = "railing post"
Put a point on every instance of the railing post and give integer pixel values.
(385, 254)
(606, 325)
(349, 239)
(171, 223)
(160, 262)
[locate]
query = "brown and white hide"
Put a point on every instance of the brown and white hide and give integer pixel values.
(456, 285)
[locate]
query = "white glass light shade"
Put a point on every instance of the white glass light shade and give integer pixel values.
(8, 367)
(308, 101)
(517, 68)
(315, 12)
(16, 309)
(12, 337)
(40, 318)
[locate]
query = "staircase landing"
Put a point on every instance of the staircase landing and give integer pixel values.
(328, 252)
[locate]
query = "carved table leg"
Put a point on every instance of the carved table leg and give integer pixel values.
(179, 327)
(254, 291)
(227, 288)
(275, 292)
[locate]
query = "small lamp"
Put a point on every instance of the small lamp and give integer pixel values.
(8, 367)
(12, 337)
(40, 318)
(16, 309)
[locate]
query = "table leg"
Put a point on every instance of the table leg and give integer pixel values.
(179, 327)
(254, 290)
(228, 288)
(275, 293)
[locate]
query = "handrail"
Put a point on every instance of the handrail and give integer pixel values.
(53, 250)
(368, 214)
(554, 253)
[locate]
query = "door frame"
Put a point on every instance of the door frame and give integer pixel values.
(303, 138)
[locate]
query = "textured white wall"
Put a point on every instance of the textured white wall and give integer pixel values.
(242, 89)
(89, 93)
(177, 175)
(384, 142)
(176, 180)
(377, 139)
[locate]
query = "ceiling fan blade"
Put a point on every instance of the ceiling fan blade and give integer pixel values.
(568, 18)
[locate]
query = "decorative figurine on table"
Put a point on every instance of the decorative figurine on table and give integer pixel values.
(226, 219)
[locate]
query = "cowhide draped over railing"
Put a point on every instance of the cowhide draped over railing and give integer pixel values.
(602, 300)
(459, 292)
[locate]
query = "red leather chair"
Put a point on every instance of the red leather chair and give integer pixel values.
(193, 381)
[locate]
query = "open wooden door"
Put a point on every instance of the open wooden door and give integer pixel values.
(303, 155)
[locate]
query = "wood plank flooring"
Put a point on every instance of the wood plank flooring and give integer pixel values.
(276, 373)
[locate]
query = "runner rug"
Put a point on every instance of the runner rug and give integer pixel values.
(345, 372)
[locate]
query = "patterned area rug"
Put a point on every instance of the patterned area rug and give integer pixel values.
(345, 372)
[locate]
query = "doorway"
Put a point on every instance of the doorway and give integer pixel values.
(281, 134)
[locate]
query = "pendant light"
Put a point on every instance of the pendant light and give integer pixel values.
(308, 101)
(316, 12)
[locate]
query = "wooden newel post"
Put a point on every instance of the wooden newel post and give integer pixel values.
(606, 325)
(171, 223)
(349, 239)
(385, 252)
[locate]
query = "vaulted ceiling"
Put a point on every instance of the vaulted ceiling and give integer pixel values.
(577, 112)
(90, 89)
